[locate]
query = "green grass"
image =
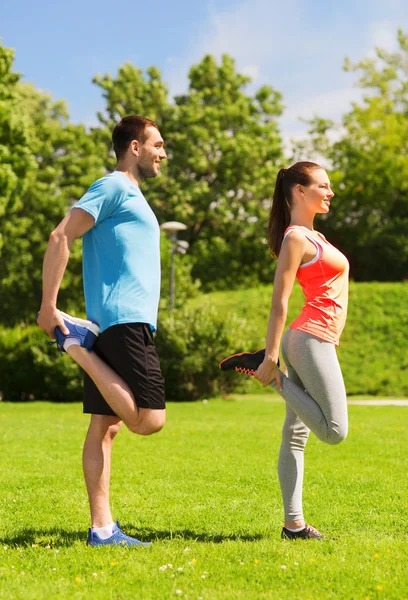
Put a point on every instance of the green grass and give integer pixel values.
(373, 351)
(205, 491)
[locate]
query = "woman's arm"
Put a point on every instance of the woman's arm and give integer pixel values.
(290, 257)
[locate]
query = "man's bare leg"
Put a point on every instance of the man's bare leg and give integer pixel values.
(117, 393)
(96, 460)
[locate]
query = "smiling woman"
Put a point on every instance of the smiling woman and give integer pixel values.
(314, 389)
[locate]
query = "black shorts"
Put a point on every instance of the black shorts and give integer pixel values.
(129, 349)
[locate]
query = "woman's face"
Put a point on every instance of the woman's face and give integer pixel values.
(318, 194)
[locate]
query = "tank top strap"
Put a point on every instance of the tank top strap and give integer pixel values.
(314, 241)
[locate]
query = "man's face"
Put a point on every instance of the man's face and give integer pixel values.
(151, 153)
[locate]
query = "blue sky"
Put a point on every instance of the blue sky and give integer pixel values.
(297, 46)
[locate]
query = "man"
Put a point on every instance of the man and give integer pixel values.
(121, 268)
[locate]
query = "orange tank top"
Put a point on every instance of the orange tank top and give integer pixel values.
(324, 281)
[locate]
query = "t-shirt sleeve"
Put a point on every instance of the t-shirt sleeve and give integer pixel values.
(102, 199)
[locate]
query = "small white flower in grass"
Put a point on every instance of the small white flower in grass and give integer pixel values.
(54, 569)
(163, 568)
(205, 401)
(202, 576)
(283, 566)
(186, 549)
(170, 566)
(95, 574)
(179, 592)
(180, 569)
(296, 563)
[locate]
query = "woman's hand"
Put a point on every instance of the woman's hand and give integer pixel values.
(268, 371)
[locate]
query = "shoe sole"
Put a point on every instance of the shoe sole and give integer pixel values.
(81, 322)
(237, 354)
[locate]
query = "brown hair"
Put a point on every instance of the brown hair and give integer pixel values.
(130, 128)
(279, 217)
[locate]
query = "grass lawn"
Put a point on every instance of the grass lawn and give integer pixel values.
(205, 491)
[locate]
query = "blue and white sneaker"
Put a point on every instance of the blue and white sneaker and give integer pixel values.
(85, 331)
(118, 538)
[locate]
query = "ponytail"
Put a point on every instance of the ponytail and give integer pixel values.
(279, 217)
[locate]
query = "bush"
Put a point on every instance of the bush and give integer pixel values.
(373, 351)
(191, 342)
(32, 370)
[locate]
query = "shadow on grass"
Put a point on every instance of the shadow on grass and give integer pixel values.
(60, 538)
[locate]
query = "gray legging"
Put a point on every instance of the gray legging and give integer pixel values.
(315, 400)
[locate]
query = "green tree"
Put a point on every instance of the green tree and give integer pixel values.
(46, 164)
(224, 150)
(369, 219)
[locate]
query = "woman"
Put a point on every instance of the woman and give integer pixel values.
(314, 389)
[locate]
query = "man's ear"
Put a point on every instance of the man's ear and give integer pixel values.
(135, 147)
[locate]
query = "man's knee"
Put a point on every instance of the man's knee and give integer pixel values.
(107, 426)
(150, 421)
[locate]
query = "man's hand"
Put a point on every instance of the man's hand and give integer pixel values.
(50, 318)
(268, 371)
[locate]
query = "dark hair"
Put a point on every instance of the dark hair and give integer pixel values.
(130, 128)
(279, 217)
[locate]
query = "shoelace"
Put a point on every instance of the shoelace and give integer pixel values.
(311, 529)
(246, 371)
(58, 348)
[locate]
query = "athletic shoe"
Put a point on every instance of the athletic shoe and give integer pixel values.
(245, 362)
(118, 538)
(307, 533)
(86, 332)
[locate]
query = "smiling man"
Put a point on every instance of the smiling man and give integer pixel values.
(121, 269)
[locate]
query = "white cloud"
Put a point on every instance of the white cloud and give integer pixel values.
(254, 32)
(284, 45)
(329, 105)
(252, 71)
(383, 34)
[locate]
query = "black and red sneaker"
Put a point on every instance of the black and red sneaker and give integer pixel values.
(245, 362)
(308, 533)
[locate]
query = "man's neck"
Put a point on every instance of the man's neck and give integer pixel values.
(131, 174)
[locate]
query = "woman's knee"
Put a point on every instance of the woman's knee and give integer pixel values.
(336, 436)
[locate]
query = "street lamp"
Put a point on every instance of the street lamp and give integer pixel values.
(177, 247)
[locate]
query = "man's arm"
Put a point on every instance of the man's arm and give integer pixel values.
(76, 223)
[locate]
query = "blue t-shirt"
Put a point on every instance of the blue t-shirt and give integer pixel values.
(121, 254)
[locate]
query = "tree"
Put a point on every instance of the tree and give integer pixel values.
(369, 162)
(224, 151)
(46, 164)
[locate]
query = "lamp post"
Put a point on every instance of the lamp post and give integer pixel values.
(177, 247)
